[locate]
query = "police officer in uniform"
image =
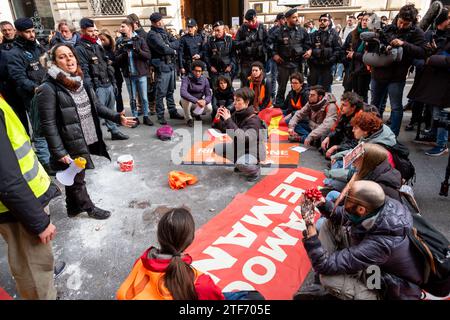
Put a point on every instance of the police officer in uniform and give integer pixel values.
(191, 47)
(280, 21)
(251, 43)
(26, 73)
(326, 50)
(98, 71)
(163, 47)
(220, 54)
(291, 44)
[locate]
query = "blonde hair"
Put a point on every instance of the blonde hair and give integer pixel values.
(374, 154)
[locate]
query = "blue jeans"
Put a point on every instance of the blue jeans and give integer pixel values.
(141, 84)
(302, 128)
(379, 89)
(340, 70)
(331, 196)
(165, 86)
(442, 133)
(108, 99)
(273, 71)
(40, 144)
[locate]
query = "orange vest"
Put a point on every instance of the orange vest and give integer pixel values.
(144, 284)
(262, 94)
(298, 105)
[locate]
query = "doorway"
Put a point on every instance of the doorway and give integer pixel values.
(208, 12)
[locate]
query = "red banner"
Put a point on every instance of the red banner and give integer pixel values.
(276, 126)
(255, 242)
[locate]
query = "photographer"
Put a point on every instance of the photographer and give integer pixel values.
(368, 230)
(98, 72)
(133, 55)
(251, 41)
(432, 86)
(326, 50)
(391, 79)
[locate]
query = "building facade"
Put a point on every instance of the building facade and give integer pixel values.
(109, 13)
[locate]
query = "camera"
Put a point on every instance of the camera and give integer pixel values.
(127, 44)
(379, 54)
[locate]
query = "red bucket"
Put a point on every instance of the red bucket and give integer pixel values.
(126, 163)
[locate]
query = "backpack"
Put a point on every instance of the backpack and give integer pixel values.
(434, 247)
(400, 155)
(164, 133)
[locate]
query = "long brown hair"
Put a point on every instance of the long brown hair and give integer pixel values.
(374, 154)
(175, 233)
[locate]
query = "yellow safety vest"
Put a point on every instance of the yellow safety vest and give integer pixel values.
(31, 169)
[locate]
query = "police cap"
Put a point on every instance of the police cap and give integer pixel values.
(290, 12)
(86, 23)
(23, 24)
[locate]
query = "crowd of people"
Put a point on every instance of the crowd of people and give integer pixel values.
(70, 87)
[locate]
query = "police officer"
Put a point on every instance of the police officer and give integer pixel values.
(220, 54)
(163, 47)
(280, 21)
(326, 50)
(191, 47)
(98, 71)
(26, 74)
(291, 44)
(251, 43)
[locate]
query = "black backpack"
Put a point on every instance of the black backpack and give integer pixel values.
(400, 155)
(434, 247)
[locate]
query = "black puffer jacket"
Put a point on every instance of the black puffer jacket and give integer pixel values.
(388, 178)
(61, 124)
(342, 134)
(414, 48)
(380, 240)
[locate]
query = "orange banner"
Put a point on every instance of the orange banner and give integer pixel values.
(276, 126)
(255, 242)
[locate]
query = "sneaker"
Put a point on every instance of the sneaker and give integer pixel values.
(59, 268)
(119, 136)
(437, 151)
(425, 139)
(176, 116)
(162, 121)
(147, 121)
(98, 213)
(190, 123)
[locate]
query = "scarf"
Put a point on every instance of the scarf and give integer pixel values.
(256, 88)
(319, 105)
(70, 82)
(92, 40)
(253, 26)
(362, 45)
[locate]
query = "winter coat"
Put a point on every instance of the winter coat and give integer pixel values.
(292, 96)
(388, 178)
(225, 98)
(163, 47)
(238, 127)
(342, 134)
(320, 120)
(194, 89)
(413, 48)
(265, 98)
(357, 66)
(97, 69)
(380, 240)
(15, 192)
(252, 43)
(140, 55)
(432, 85)
(61, 124)
(326, 47)
(58, 38)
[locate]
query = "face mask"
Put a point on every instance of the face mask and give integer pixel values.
(354, 218)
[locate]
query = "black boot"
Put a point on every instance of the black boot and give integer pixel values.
(119, 136)
(136, 124)
(147, 121)
(176, 116)
(162, 121)
(58, 268)
(98, 213)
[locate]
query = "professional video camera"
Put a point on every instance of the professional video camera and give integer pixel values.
(444, 122)
(125, 44)
(379, 53)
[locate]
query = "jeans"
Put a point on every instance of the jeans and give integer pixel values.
(442, 133)
(107, 98)
(165, 86)
(379, 90)
(273, 74)
(302, 128)
(141, 84)
(40, 144)
(340, 70)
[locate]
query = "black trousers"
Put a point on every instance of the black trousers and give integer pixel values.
(283, 77)
(244, 73)
(360, 85)
(77, 197)
(320, 75)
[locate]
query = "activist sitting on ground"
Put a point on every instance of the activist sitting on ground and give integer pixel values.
(313, 122)
(367, 128)
(69, 112)
(261, 86)
(341, 136)
(195, 93)
(223, 95)
(245, 128)
(370, 229)
(166, 273)
(297, 97)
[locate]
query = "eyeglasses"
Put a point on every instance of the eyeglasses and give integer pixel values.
(354, 200)
(197, 71)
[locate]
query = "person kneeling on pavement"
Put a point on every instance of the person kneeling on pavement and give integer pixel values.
(313, 122)
(248, 134)
(70, 111)
(195, 93)
(369, 230)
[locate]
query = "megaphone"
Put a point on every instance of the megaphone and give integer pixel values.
(66, 177)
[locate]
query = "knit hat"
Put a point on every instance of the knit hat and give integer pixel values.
(23, 24)
(86, 23)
